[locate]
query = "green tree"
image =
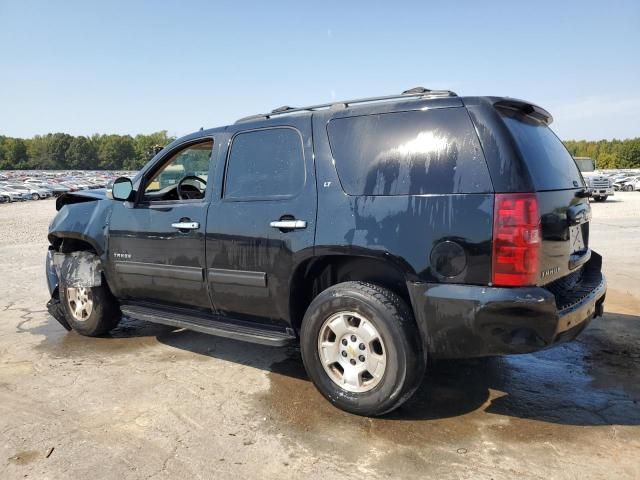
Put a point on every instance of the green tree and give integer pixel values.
(57, 148)
(82, 154)
(146, 146)
(115, 151)
(38, 150)
(14, 153)
(630, 154)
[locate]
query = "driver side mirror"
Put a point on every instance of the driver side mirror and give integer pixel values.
(122, 189)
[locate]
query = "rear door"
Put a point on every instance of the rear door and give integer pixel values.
(565, 212)
(263, 224)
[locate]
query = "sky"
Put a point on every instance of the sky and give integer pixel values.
(129, 67)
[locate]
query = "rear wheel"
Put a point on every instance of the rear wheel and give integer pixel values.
(35, 196)
(361, 348)
(91, 311)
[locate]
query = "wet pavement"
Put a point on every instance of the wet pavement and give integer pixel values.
(155, 402)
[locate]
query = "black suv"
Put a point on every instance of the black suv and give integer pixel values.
(375, 232)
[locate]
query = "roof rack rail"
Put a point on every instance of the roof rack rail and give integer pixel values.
(413, 92)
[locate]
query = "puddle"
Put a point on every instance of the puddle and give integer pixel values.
(130, 336)
(525, 399)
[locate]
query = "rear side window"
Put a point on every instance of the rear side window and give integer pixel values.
(551, 166)
(409, 153)
(265, 164)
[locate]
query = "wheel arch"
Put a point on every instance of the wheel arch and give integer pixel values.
(67, 242)
(318, 273)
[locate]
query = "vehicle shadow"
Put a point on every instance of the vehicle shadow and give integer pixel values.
(588, 382)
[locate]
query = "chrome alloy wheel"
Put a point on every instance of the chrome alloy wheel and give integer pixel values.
(80, 301)
(352, 352)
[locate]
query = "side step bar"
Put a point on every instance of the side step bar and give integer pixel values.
(212, 325)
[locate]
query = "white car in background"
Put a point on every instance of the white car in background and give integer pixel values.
(14, 195)
(630, 184)
(35, 192)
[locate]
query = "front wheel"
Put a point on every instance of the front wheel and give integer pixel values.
(35, 196)
(361, 348)
(91, 311)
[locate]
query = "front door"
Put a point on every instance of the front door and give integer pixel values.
(156, 244)
(263, 224)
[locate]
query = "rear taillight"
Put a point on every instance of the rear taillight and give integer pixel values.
(516, 239)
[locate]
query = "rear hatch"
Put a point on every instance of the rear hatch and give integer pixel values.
(563, 207)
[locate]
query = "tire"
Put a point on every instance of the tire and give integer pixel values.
(363, 308)
(103, 316)
(35, 196)
(628, 188)
(600, 199)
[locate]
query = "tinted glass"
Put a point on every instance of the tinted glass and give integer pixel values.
(265, 164)
(409, 153)
(551, 166)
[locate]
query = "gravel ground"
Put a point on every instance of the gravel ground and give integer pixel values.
(153, 402)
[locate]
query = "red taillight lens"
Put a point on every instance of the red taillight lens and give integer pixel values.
(516, 239)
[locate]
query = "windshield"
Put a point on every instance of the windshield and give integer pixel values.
(585, 164)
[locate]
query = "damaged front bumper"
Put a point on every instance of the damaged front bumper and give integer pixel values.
(78, 269)
(53, 305)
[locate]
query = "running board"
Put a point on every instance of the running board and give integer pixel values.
(212, 325)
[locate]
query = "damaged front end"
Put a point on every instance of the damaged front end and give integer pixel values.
(74, 269)
(77, 237)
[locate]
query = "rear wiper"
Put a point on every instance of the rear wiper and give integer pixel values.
(584, 193)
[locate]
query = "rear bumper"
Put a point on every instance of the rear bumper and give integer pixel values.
(599, 192)
(462, 321)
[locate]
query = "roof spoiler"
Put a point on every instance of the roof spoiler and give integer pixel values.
(526, 108)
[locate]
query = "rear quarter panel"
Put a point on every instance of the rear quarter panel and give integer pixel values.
(402, 229)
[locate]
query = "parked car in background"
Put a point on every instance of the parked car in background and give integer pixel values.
(619, 180)
(14, 195)
(56, 189)
(35, 192)
(630, 184)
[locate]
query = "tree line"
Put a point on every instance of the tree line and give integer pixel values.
(60, 151)
(608, 153)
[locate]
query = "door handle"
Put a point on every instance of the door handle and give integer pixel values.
(289, 224)
(186, 225)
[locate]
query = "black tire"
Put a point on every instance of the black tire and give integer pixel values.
(600, 199)
(405, 362)
(105, 313)
(628, 188)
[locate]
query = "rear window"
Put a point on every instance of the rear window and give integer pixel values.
(551, 166)
(409, 153)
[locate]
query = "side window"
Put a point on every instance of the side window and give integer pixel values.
(409, 153)
(265, 164)
(182, 177)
